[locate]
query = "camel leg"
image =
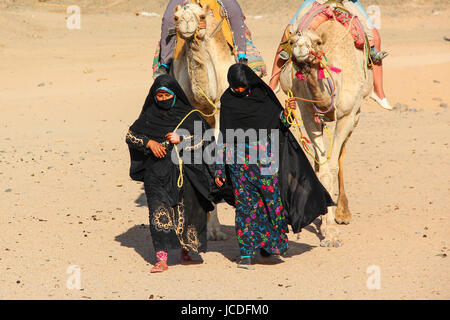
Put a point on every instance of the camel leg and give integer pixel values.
(213, 232)
(329, 229)
(344, 129)
(343, 215)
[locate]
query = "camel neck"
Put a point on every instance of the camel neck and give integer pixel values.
(319, 89)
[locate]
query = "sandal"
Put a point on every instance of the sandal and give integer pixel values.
(159, 267)
(186, 258)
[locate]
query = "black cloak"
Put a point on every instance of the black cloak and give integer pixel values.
(303, 195)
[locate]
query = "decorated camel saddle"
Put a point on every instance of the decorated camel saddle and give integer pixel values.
(334, 10)
(255, 60)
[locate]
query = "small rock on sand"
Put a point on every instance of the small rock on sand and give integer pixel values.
(401, 107)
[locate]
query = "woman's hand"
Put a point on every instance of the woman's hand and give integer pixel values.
(290, 105)
(158, 150)
(173, 138)
(220, 182)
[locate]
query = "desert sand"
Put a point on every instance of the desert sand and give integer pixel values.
(67, 98)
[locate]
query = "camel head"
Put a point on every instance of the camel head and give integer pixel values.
(302, 43)
(191, 20)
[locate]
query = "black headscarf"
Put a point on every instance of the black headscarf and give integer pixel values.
(255, 110)
(303, 196)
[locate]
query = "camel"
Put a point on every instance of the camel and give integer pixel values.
(203, 63)
(353, 84)
(204, 59)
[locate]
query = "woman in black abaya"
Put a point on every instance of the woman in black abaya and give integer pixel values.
(177, 215)
(266, 200)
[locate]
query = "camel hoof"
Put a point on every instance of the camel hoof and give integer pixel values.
(331, 234)
(342, 221)
(343, 216)
(330, 243)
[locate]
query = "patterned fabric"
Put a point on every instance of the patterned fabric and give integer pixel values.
(171, 228)
(161, 256)
(260, 215)
(157, 58)
(138, 141)
(182, 226)
(254, 57)
(320, 13)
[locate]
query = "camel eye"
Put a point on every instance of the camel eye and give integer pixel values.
(319, 43)
(176, 18)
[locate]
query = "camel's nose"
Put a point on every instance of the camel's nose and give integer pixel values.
(187, 23)
(301, 49)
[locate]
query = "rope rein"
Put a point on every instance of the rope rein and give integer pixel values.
(180, 181)
(293, 118)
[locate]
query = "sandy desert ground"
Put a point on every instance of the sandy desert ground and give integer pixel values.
(67, 98)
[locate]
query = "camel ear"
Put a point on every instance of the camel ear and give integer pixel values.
(287, 34)
(323, 38)
(177, 8)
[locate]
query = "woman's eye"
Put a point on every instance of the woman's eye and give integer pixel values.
(202, 17)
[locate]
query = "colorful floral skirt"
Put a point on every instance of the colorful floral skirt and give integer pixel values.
(260, 216)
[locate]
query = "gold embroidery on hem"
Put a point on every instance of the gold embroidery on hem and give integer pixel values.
(162, 221)
(192, 238)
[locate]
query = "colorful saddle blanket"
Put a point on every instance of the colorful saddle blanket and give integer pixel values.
(319, 13)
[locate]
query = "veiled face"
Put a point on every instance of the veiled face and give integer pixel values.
(163, 95)
(302, 43)
(189, 19)
(240, 89)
